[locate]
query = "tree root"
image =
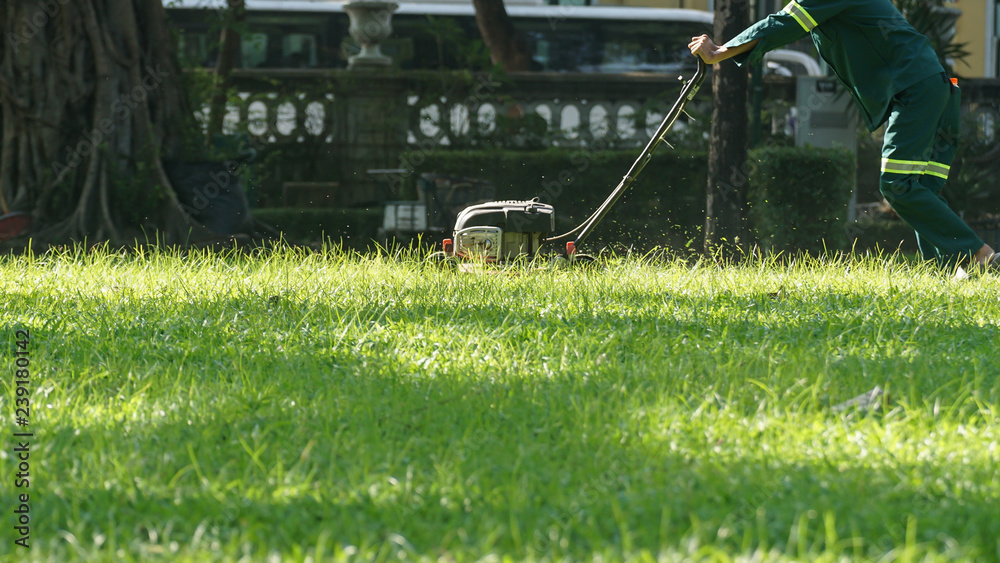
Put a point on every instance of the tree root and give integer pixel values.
(101, 79)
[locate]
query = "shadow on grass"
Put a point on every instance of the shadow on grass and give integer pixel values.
(520, 480)
(313, 439)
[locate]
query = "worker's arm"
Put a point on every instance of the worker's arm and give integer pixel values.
(711, 53)
(793, 22)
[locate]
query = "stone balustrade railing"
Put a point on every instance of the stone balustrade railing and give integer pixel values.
(301, 105)
(362, 120)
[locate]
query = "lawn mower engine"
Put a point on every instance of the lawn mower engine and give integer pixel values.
(499, 231)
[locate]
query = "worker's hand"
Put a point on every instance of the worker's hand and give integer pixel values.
(702, 46)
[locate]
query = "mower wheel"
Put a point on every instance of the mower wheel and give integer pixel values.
(583, 261)
(558, 263)
(443, 261)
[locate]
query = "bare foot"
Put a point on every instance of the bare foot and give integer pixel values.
(983, 255)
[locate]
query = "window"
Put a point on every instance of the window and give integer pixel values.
(288, 40)
(193, 48)
(299, 50)
(253, 47)
(610, 46)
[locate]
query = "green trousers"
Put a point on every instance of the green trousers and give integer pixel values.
(921, 138)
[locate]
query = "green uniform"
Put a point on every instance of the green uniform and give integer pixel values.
(893, 74)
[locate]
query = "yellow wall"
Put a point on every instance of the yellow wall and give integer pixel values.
(689, 4)
(971, 29)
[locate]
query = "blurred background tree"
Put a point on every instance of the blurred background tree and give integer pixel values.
(506, 45)
(936, 20)
(92, 103)
(726, 192)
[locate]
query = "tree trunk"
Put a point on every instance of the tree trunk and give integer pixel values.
(229, 47)
(91, 104)
(727, 152)
(505, 44)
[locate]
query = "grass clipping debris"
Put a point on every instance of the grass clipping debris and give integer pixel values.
(330, 406)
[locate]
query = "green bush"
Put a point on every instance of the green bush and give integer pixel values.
(799, 196)
(884, 235)
(353, 228)
(665, 206)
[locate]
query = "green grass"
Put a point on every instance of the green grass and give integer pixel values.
(321, 407)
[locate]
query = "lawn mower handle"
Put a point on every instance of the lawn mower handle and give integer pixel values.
(688, 91)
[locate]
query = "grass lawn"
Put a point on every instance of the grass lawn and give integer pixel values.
(324, 407)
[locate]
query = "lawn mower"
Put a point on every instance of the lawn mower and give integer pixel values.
(506, 231)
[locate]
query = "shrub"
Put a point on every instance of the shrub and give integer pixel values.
(799, 196)
(353, 228)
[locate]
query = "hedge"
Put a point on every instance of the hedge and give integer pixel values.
(885, 235)
(798, 197)
(353, 228)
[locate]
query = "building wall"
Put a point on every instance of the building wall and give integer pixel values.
(971, 29)
(977, 27)
(993, 39)
(688, 4)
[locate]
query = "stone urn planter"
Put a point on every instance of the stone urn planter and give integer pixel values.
(371, 22)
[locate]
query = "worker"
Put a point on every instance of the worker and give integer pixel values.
(895, 77)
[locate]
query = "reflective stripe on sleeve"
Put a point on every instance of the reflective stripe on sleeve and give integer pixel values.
(903, 166)
(801, 15)
(937, 169)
